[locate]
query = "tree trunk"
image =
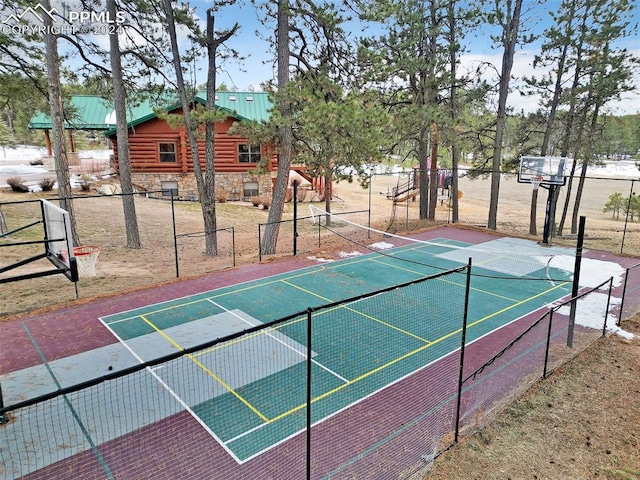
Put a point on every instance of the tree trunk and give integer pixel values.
(567, 199)
(576, 203)
(328, 176)
(285, 134)
(510, 36)
(533, 229)
(453, 110)
(124, 162)
(3, 223)
(208, 202)
(423, 179)
(455, 161)
(57, 122)
(583, 171)
(207, 197)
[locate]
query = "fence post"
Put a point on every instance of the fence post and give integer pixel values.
(233, 245)
(369, 214)
(576, 280)
(309, 364)
(175, 235)
(463, 341)
(624, 294)
(3, 417)
(295, 217)
(259, 243)
(626, 218)
(606, 312)
(546, 352)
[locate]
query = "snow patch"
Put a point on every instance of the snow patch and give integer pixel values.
(590, 312)
(349, 254)
(592, 271)
(320, 259)
(382, 245)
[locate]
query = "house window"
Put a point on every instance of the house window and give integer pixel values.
(248, 153)
(167, 152)
(169, 187)
(250, 189)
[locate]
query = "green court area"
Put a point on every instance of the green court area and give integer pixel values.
(251, 390)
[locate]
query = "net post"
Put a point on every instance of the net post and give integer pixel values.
(576, 280)
(463, 341)
(259, 242)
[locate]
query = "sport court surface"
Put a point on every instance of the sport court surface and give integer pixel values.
(235, 409)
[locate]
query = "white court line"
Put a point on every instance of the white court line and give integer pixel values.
(175, 395)
(302, 354)
(271, 279)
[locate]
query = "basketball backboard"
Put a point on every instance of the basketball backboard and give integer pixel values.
(545, 170)
(57, 246)
(58, 240)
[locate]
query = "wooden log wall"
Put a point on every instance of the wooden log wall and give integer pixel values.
(145, 138)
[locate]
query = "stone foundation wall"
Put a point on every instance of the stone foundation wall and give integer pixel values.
(229, 184)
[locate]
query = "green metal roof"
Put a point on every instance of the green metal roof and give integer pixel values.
(252, 106)
(90, 112)
(95, 113)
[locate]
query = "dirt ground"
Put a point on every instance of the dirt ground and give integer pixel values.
(582, 423)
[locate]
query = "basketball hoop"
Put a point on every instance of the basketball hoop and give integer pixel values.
(536, 181)
(87, 259)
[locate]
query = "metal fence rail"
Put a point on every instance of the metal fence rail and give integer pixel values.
(630, 303)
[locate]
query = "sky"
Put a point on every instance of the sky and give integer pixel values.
(259, 67)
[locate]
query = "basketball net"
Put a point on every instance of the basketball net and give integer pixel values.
(536, 181)
(87, 259)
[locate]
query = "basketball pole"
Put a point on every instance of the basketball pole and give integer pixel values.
(547, 215)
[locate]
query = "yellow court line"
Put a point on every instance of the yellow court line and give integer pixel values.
(246, 337)
(351, 382)
(310, 271)
(161, 332)
(407, 355)
(209, 372)
(284, 280)
(166, 309)
(446, 281)
(328, 300)
(359, 313)
(517, 304)
(365, 315)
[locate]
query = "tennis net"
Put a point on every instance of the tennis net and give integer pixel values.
(500, 257)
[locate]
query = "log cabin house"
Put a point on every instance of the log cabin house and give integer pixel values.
(160, 153)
